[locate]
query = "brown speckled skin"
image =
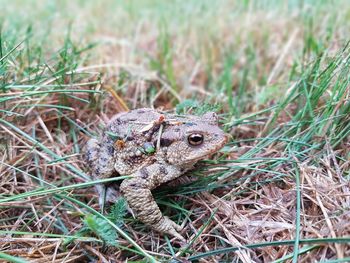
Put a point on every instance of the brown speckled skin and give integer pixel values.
(121, 151)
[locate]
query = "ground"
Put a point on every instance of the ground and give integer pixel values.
(277, 72)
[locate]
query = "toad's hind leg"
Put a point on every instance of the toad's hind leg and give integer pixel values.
(99, 158)
(91, 152)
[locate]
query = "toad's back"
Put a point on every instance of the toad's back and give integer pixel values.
(129, 124)
(131, 137)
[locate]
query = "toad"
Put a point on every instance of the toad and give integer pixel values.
(153, 148)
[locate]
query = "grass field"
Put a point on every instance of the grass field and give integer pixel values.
(277, 72)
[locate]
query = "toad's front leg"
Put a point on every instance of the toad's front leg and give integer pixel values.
(137, 191)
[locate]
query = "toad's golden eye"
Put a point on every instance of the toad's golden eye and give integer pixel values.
(195, 139)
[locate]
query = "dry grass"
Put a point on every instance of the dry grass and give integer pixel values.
(278, 191)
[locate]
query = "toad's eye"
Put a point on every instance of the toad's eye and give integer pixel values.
(195, 139)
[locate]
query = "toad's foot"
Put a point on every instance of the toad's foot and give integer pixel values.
(168, 226)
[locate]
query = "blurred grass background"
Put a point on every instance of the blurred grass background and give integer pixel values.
(208, 45)
(276, 70)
